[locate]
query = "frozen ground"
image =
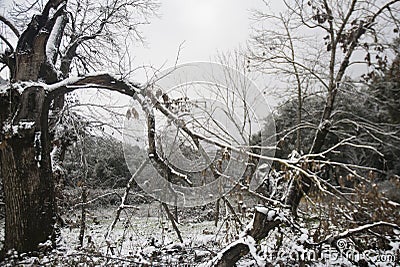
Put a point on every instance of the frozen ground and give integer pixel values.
(142, 237)
(145, 237)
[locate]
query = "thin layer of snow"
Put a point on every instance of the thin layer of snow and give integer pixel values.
(51, 48)
(262, 209)
(247, 240)
(303, 238)
(55, 165)
(294, 156)
(251, 243)
(14, 129)
(264, 166)
(366, 226)
(323, 125)
(149, 250)
(3, 88)
(393, 203)
(270, 213)
(202, 253)
(38, 147)
(69, 82)
(21, 86)
(63, 83)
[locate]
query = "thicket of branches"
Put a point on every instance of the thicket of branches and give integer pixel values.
(341, 132)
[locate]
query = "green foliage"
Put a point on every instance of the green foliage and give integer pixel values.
(285, 121)
(99, 162)
(370, 113)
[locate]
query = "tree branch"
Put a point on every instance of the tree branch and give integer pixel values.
(7, 42)
(10, 25)
(333, 238)
(96, 80)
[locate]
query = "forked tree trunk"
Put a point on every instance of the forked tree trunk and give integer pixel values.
(25, 164)
(26, 173)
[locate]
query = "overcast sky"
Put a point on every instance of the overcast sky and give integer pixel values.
(205, 27)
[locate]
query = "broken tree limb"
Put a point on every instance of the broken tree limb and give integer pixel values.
(263, 222)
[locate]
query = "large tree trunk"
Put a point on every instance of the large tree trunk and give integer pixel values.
(26, 172)
(25, 164)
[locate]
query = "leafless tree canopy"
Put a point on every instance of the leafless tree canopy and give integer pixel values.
(326, 191)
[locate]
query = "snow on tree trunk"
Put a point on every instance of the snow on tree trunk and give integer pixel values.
(26, 172)
(263, 222)
(25, 163)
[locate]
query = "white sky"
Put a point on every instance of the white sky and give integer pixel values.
(205, 27)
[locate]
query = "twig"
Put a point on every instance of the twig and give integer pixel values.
(350, 232)
(83, 217)
(232, 210)
(123, 199)
(172, 219)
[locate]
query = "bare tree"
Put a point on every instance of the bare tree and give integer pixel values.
(64, 40)
(55, 55)
(345, 31)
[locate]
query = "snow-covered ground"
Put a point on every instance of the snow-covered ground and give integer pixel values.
(142, 237)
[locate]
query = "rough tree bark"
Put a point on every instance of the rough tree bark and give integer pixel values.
(25, 145)
(25, 162)
(27, 178)
(26, 172)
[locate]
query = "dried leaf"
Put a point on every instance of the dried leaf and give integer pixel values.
(135, 114)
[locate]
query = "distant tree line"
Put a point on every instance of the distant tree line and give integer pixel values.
(101, 165)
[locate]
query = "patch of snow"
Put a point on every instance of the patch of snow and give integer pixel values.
(247, 240)
(202, 253)
(149, 250)
(2, 81)
(55, 165)
(63, 83)
(324, 125)
(14, 129)
(251, 243)
(393, 203)
(175, 247)
(21, 86)
(38, 147)
(3, 88)
(51, 48)
(261, 209)
(264, 166)
(303, 238)
(294, 156)
(270, 213)
(53, 154)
